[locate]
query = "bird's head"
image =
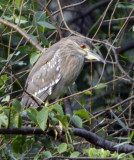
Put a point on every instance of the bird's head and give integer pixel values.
(84, 48)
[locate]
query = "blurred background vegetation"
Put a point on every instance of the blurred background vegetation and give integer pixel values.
(106, 109)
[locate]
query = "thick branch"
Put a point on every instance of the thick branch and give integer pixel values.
(96, 140)
(23, 131)
(89, 136)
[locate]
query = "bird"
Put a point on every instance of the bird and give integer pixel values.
(56, 69)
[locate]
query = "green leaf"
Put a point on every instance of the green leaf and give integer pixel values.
(82, 101)
(130, 6)
(6, 110)
(34, 38)
(121, 144)
(6, 99)
(21, 21)
(36, 157)
(16, 120)
(32, 114)
(63, 120)
(70, 147)
(77, 121)
(18, 3)
(17, 106)
(3, 120)
(8, 18)
(83, 113)
(40, 16)
(53, 117)
(133, 28)
(46, 25)
(92, 152)
(131, 136)
(88, 92)
(19, 125)
(121, 5)
(101, 85)
(18, 144)
(103, 153)
(59, 109)
(3, 79)
(121, 155)
(42, 117)
(97, 153)
(122, 124)
(47, 154)
(34, 57)
(75, 154)
(131, 157)
(28, 49)
(62, 147)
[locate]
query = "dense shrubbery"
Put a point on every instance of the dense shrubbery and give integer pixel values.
(105, 107)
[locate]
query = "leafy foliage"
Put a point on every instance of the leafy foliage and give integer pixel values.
(105, 106)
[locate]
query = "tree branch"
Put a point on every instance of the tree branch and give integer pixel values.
(93, 8)
(89, 136)
(45, 9)
(23, 33)
(96, 140)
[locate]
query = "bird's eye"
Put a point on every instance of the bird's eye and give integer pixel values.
(83, 46)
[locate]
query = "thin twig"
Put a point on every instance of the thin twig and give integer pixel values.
(45, 9)
(58, 1)
(69, 6)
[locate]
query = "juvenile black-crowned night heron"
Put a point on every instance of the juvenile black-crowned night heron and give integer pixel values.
(56, 69)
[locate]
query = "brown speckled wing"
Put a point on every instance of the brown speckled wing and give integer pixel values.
(40, 83)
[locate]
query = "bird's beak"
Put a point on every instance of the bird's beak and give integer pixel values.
(91, 55)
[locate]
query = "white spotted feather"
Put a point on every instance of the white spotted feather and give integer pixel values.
(43, 81)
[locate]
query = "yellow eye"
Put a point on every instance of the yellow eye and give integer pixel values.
(83, 46)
